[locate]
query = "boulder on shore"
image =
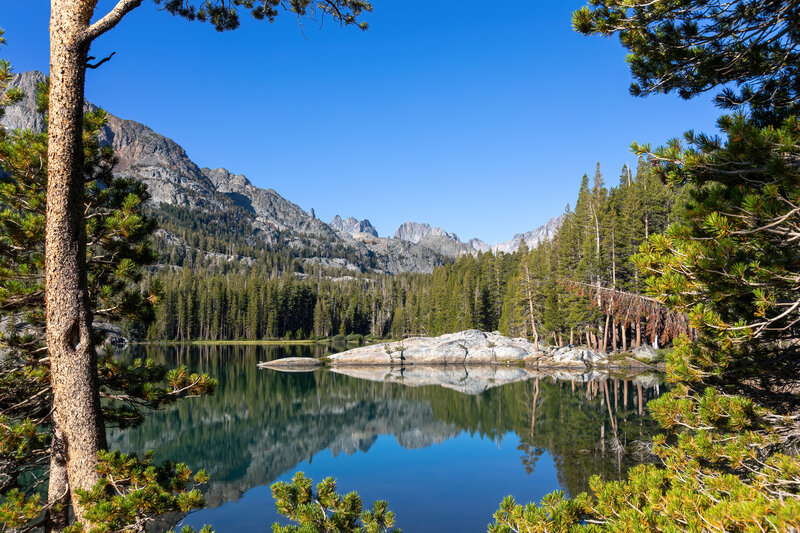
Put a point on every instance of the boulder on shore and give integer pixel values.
(645, 353)
(470, 347)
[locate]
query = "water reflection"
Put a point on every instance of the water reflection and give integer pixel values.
(261, 423)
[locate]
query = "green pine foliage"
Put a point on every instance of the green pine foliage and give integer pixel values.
(692, 46)
(732, 263)
(728, 452)
(326, 511)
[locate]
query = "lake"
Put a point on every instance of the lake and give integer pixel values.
(443, 455)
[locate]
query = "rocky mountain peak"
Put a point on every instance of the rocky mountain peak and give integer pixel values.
(352, 225)
(533, 237)
(418, 231)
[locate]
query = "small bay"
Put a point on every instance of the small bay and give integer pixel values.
(443, 458)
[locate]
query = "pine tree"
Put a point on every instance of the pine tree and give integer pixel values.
(117, 247)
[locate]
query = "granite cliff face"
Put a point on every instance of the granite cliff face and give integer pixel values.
(417, 232)
(23, 115)
(173, 179)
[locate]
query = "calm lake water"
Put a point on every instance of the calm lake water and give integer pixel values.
(443, 456)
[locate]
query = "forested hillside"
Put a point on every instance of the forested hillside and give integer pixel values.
(579, 287)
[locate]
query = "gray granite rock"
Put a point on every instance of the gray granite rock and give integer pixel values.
(470, 347)
(575, 355)
(352, 225)
(645, 353)
(292, 364)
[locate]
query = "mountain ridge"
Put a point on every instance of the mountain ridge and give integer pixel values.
(174, 179)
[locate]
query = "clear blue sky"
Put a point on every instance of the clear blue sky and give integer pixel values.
(473, 118)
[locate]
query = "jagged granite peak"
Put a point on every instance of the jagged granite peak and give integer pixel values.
(352, 225)
(533, 237)
(174, 179)
(418, 231)
(478, 245)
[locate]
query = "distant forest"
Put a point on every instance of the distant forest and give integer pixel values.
(580, 287)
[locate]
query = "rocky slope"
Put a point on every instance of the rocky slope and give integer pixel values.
(173, 179)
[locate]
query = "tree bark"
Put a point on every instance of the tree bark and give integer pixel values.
(58, 486)
(76, 402)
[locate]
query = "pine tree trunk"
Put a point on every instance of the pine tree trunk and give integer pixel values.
(76, 403)
(58, 485)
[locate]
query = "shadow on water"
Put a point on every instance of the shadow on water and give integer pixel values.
(261, 424)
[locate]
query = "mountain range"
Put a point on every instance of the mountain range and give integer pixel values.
(173, 179)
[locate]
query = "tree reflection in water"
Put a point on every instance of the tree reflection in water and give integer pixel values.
(262, 423)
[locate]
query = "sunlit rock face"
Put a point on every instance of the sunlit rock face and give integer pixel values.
(353, 226)
(470, 347)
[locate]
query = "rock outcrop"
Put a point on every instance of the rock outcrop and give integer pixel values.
(417, 231)
(470, 347)
(646, 353)
(353, 226)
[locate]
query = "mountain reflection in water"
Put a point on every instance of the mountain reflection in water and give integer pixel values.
(261, 424)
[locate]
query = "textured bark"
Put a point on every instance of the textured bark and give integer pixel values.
(76, 400)
(58, 486)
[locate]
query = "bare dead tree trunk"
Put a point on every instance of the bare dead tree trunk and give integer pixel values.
(638, 332)
(623, 330)
(529, 294)
(614, 337)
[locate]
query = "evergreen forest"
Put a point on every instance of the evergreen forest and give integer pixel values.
(581, 287)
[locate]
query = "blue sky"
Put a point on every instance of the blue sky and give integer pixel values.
(478, 120)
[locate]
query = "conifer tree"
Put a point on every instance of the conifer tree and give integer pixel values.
(68, 313)
(117, 247)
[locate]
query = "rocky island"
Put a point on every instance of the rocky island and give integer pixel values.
(474, 347)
